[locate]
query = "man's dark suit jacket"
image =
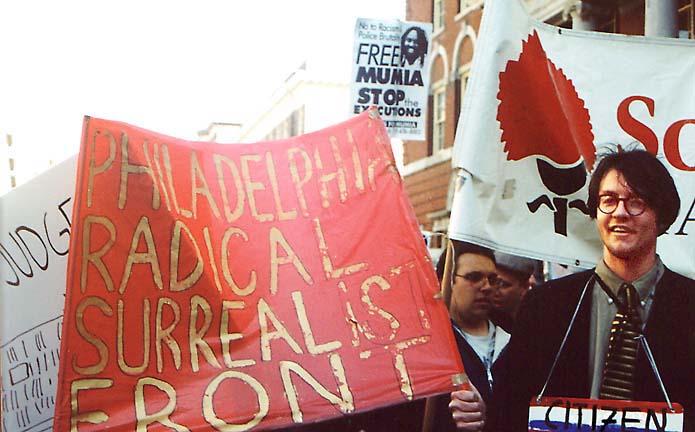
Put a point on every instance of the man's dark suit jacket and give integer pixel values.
(541, 325)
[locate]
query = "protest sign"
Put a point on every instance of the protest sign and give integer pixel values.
(245, 287)
(34, 241)
(574, 414)
(541, 103)
(390, 70)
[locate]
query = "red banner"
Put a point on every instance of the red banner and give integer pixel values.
(238, 287)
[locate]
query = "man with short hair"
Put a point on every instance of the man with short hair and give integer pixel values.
(634, 200)
(515, 279)
(480, 341)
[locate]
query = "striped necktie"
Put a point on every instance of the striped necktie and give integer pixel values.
(621, 360)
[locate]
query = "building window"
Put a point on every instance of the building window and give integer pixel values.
(438, 15)
(11, 164)
(291, 126)
(297, 120)
(686, 18)
(438, 118)
(608, 25)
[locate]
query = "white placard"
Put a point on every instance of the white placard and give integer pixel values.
(34, 242)
(390, 69)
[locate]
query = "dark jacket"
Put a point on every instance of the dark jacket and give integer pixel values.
(475, 370)
(541, 325)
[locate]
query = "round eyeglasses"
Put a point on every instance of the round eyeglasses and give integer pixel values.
(634, 206)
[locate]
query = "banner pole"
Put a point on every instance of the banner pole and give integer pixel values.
(447, 276)
(445, 293)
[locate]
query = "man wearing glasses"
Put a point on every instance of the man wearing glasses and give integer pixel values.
(480, 342)
(515, 279)
(634, 200)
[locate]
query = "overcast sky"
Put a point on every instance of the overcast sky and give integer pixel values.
(166, 65)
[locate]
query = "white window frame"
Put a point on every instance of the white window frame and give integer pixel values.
(438, 16)
(466, 6)
(438, 117)
(689, 9)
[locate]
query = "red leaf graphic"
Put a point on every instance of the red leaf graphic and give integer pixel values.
(540, 112)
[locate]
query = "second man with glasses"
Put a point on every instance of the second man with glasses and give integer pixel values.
(480, 342)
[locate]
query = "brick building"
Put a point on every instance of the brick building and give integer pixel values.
(427, 164)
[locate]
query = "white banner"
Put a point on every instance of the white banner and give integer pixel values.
(390, 69)
(34, 241)
(541, 103)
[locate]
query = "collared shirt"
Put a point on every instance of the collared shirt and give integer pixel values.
(603, 310)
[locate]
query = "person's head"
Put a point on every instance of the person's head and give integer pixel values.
(633, 198)
(473, 279)
(413, 46)
(514, 274)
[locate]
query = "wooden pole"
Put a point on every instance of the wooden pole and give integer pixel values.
(445, 293)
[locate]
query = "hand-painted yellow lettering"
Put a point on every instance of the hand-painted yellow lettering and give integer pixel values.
(176, 284)
(163, 416)
(229, 214)
(350, 318)
(298, 181)
(252, 186)
(99, 344)
(120, 342)
(164, 334)
(330, 271)
(93, 168)
(309, 339)
(199, 186)
(196, 337)
(386, 158)
(282, 214)
(211, 257)
(356, 162)
(209, 406)
(160, 176)
(127, 169)
(344, 402)
(93, 417)
(226, 338)
(375, 310)
(170, 181)
(406, 385)
(143, 231)
(226, 238)
(400, 366)
(339, 175)
(291, 257)
(95, 257)
(281, 332)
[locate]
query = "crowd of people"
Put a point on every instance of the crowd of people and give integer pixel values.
(575, 336)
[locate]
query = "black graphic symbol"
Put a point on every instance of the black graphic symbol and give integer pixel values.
(562, 182)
